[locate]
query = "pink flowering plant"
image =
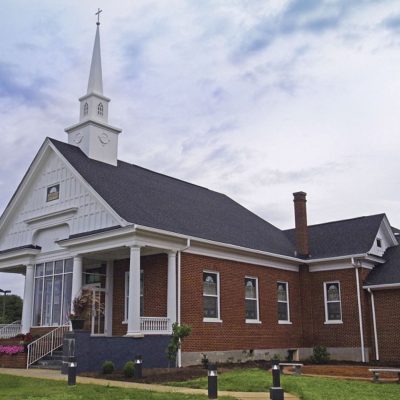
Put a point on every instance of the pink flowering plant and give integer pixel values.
(11, 349)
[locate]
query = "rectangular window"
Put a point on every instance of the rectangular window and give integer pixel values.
(333, 307)
(52, 293)
(251, 299)
(210, 296)
(126, 308)
(53, 192)
(283, 302)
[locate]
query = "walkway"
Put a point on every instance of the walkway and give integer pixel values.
(55, 375)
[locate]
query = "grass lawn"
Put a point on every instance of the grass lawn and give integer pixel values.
(307, 388)
(18, 388)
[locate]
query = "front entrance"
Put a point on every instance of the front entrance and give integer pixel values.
(98, 322)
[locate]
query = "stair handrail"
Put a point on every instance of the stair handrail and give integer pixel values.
(45, 344)
(10, 330)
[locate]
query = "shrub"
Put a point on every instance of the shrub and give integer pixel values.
(179, 332)
(129, 369)
(108, 367)
(204, 360)
(320, 355)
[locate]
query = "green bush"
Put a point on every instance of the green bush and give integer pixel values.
(108, 367)
(320, 355)
(129, 369)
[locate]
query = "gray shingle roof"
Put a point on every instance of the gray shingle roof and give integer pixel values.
(154, 200)
(338, 238)
(389, 272)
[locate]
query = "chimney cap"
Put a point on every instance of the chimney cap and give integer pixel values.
(299, 194)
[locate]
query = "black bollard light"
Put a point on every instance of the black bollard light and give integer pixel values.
(137, 373)
(212, 381)
(276, 392)
(72, 364)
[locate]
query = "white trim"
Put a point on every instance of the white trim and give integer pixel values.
(383, 286)
(256, 320)
(284, 321)
(218, 296)
(335, 267)
(217, 320)
(349, 256)
(126, 294)
(55, 214)
(332, 321)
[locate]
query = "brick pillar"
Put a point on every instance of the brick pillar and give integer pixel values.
(300, 215)
(306, 305)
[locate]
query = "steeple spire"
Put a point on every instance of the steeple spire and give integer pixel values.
(93, 134)
(95, 84)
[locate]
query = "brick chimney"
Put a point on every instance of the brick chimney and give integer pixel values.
(300, 216)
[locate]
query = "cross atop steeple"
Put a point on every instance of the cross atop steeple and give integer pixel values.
(98, 16)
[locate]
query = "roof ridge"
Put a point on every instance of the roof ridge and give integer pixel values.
(340, 220)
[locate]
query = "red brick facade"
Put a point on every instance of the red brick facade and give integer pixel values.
(388, 324)
(155, 289)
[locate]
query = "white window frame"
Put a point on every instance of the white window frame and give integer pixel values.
(257, 320)
(332, 321)
(126, 295)
(284, 321)
(218, 296)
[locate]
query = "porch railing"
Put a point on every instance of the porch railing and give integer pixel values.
(154, 325)
(10, 330)
(46, 344)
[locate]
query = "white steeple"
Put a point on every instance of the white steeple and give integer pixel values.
(93, 135)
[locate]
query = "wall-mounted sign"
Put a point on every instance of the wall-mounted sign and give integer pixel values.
(53, 192)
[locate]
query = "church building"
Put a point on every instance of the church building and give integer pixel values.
(153, 250)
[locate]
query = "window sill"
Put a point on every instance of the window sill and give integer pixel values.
(285, 322)
(124, 322)
(253, 321)
(333, 322)
(217, 320)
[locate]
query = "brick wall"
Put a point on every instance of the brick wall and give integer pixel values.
(234, 333)
(155, 270)
(14, 360)
(348, 333)
(388, 324)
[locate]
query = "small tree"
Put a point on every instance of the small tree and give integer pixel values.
(320, 355)
(179, 332)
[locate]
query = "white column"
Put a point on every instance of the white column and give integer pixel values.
(171, 300)
(109, 297)
(28, 299)
(134, 294)
(76, 278)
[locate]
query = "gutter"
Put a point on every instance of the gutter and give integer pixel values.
(359, 310)
(179, 297)
(374, 324)
(383, 286)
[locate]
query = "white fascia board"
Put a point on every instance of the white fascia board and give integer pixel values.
(93, 122)
(24, 183)
(389, 231)
(96, 195)
(331, 267)
(375, 259)
(18, 257)
(230, 252)
(319, 260)
(383, 286)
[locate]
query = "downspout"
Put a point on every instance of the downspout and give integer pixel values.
(359, 310)
(179, 296)
(374, 323)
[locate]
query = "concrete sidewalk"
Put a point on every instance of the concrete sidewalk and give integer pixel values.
(56, 375)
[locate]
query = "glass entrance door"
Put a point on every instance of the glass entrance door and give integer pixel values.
(98, 311)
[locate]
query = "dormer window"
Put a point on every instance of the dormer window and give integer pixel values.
(86, 109)
(100, 109)
(379, 243)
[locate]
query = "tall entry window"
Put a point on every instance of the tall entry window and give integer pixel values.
(333, 304)
(283, 302)
(52, 295)
(210, 296)
(251, 299)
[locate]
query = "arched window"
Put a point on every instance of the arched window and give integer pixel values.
(100, 109)
(86, 109)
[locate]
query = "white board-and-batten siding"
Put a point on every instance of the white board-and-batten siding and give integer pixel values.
(86, 211)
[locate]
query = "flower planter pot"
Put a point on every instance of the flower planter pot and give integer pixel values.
(77, 324)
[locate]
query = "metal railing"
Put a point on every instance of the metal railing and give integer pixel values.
(10, 330)
(155, 325)
(46, 344)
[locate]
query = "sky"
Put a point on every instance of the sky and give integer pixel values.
(255, 99)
